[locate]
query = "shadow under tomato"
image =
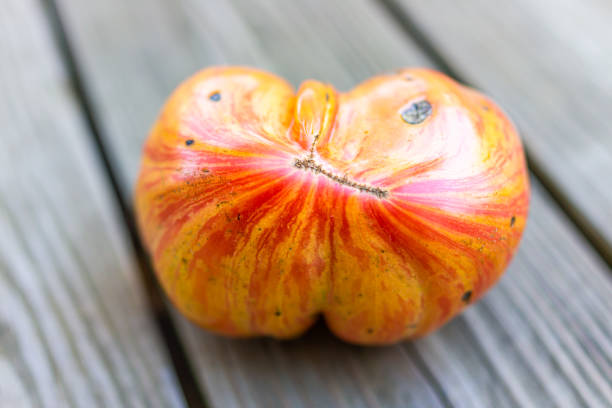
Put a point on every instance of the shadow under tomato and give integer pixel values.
(316, 369)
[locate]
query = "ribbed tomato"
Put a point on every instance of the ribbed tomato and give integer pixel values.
(386, 209)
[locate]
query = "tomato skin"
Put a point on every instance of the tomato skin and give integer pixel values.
(386, 209)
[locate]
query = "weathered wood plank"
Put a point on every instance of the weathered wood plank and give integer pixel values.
(537, 339)
(75, 329)
(548, 62)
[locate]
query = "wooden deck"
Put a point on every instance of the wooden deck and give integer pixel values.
(82, 321)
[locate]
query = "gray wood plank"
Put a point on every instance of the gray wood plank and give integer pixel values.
(75, 329)
(540, 338)
(548, 62)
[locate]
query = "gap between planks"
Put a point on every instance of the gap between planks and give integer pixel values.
(159, 309)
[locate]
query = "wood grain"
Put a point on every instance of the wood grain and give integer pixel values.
(548, 63)
(75, 329)
(540, 338)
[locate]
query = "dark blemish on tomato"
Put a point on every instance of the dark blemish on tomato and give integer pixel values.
(512, 221)
(417, 112)
(258, 228)
(189, 142)
(370, 331)
(382, 251)
(184, 260)
(238, 217)
(360, 295)
(326, 97)
(215, 96)
(277, 313)
(466, 296)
